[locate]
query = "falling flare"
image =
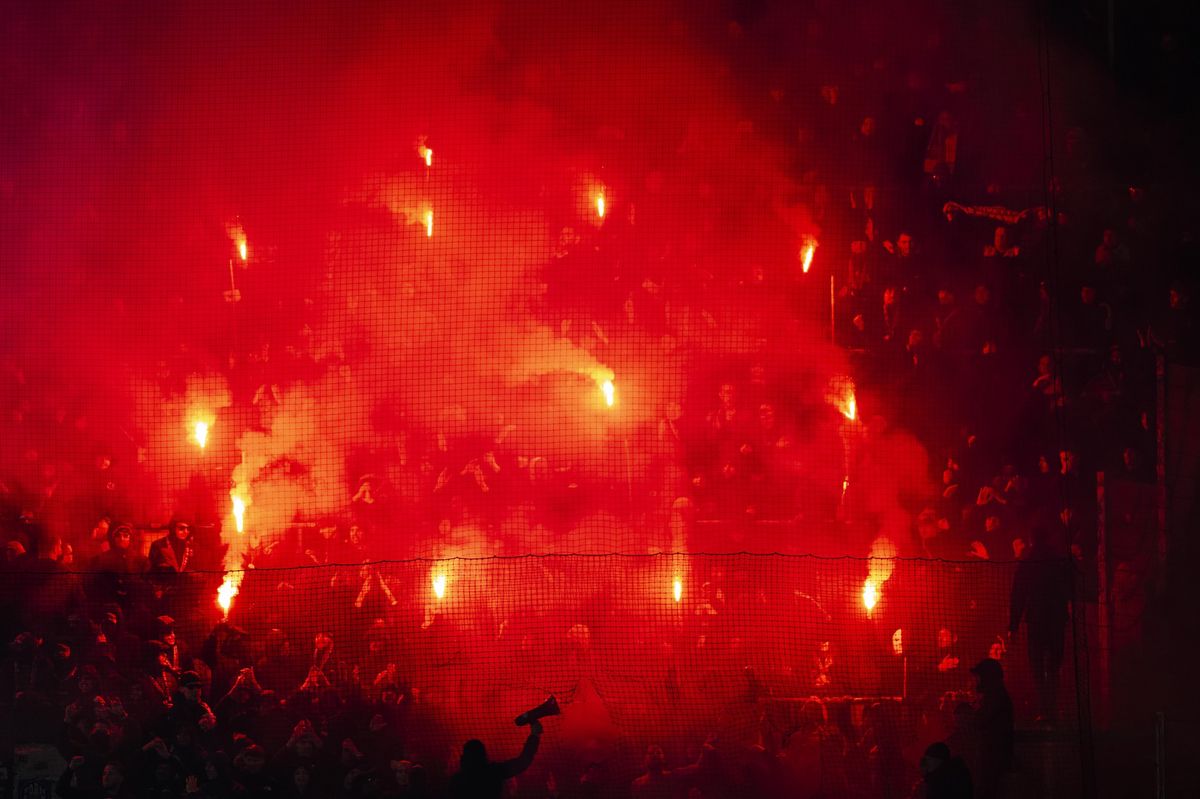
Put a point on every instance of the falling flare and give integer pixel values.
(200, 431)
(600, 206)
(439, 585)
(851, 410)
(807, 253)
(242, 251)
(239, 512)
(609, 391)
(677, 588)
(429, 224)
(426, 154)
(228, 590)
(870, 595)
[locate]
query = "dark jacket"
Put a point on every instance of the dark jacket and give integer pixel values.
(486, 781)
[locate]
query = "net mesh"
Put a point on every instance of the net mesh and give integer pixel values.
(422, 361)
(805, 681)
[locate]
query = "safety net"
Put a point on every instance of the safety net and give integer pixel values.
(724, 372)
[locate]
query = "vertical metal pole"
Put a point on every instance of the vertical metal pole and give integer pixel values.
(1103, 607)
(1160, 464)
(832, 312)
(1112, 35)
(1160, 755)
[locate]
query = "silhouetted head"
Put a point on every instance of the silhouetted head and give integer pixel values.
(990, 675)
(655, 759)
(474, 755)
(935, 757)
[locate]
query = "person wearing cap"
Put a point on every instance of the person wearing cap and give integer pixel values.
(176, 652)
(187, 708)
(944, 776)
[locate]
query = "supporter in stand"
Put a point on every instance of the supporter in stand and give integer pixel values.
(480, 778)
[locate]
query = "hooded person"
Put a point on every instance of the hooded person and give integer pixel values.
(480, 778)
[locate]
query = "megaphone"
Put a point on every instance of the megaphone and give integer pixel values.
(547, 708)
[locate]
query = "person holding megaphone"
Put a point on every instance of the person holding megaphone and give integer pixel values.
(480, 778)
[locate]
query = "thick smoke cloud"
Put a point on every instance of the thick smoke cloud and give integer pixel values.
(204, 126)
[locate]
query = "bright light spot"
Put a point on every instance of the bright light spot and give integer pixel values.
(677, 588)
(807, 252)
(609, 391)
(200, 431)
(840, 395)
(439, 585)
(228, 590)
(239, 512)
(426, 154)
(242, 251)
(600, 206)
(870, 595)
(429, 224)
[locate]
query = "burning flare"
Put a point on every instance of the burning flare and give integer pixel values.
(600, 205)
(870, 595)
(239, 512)
(677, 589)
(841, 396)
(200, 432)
(439, 584)
(429, 224)
(609, 391)
(881, 562)
(807, 252)
(228, 590)
(426, 154)
(242, 251)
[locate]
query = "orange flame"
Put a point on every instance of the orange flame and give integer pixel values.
(609, 391)
(881, 562)
(439, 584)
(426, 154)
(200, 432)
(429, 224)
(242, 249)
(600, 205)
(239, 512)
(228, 590)
(677, 589)
(841, 396)
(870, 595)
(807, 252)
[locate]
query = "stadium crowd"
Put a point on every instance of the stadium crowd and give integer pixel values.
(1015, 334)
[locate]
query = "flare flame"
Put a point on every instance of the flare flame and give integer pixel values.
(200, 433)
